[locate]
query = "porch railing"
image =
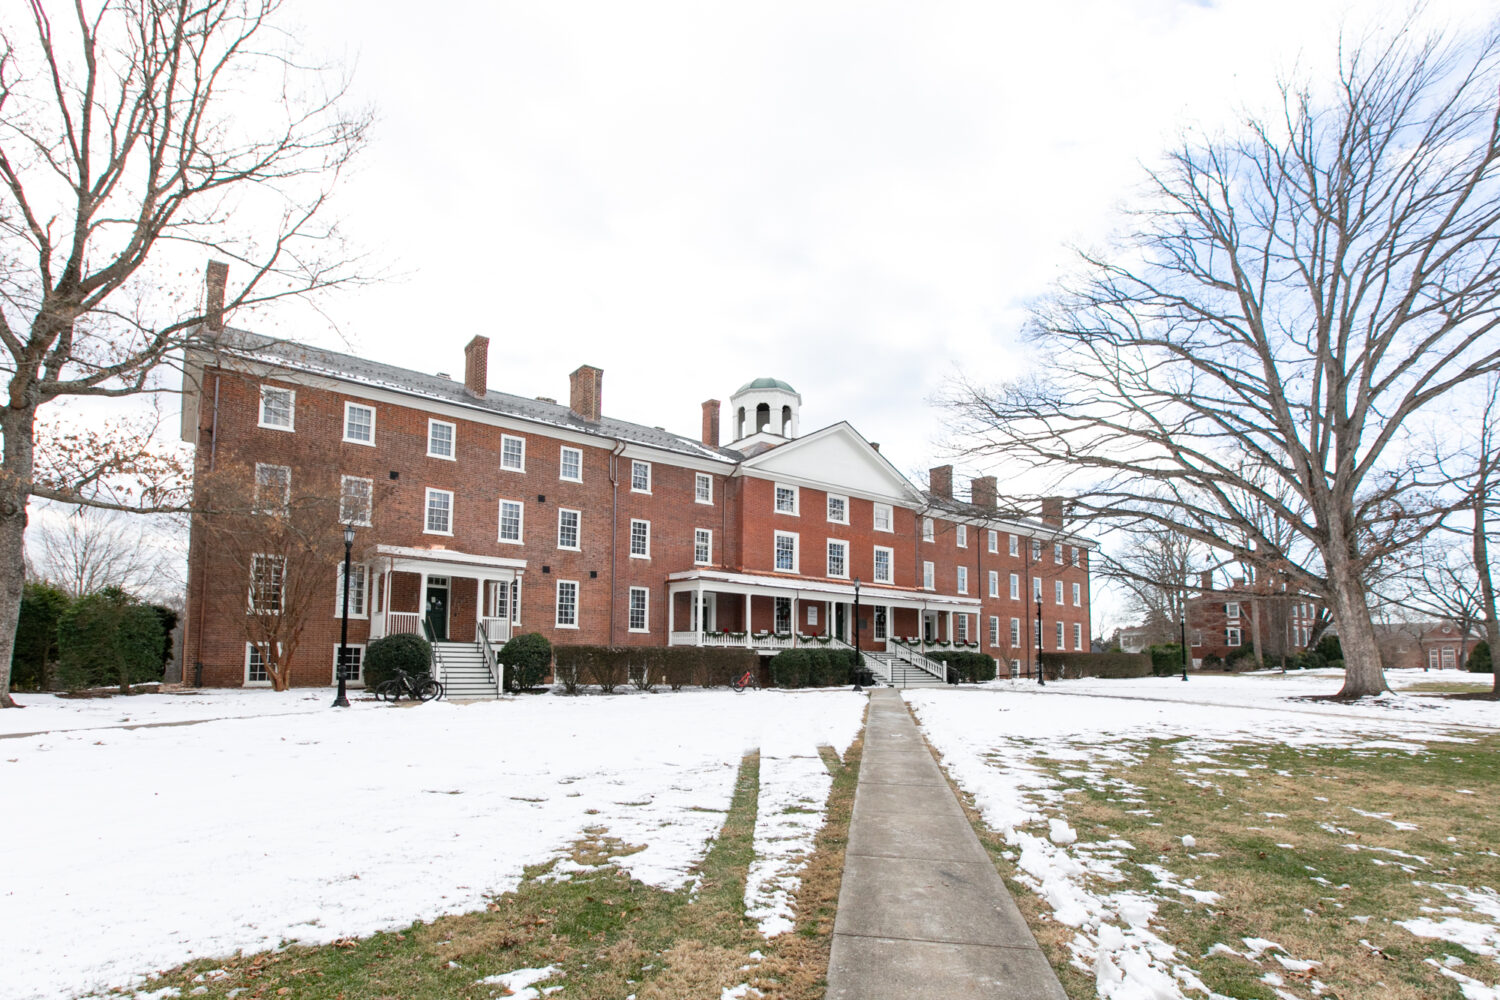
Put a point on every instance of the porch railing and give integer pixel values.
(910, 654)
(757, 640)
(491, 661)
(398, 622)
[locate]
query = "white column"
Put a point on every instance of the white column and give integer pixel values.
(796, 619)
(478, 603)
(748, 629)
(949, 636)
(698, 611)
(422, 604)
(671, 614)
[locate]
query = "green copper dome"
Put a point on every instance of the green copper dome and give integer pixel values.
(765, 383)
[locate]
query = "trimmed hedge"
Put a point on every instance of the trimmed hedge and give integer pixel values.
(525, 660)
(402, 651)
(611, 667)
(34, 655)
(1055, 665)
(976, 668)
(108, 638)
(813, 667)
(1166, 658)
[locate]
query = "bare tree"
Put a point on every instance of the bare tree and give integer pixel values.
(1442, 583)
(1486, 481)
(127, 128)
(1294, 304)
(90, 549)
(1155, 569)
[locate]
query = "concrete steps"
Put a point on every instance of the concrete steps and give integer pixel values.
(460, 666)
(900, 674)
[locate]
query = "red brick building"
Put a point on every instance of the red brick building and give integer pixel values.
(1226, 622)
(480, 510)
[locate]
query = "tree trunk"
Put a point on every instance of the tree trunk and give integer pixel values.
(1486, 581)
(17, 426)
(1363, 674)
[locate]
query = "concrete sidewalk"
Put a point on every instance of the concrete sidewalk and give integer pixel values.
(922, 911)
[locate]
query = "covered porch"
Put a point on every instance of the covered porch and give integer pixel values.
(712, 608)
(443, 595)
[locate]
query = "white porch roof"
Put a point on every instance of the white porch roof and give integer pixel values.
(749, 583)
(446, 562)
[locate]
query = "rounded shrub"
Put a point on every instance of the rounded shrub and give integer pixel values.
(790, 667)
(526, 658)
(388, 654)
(1479, 659)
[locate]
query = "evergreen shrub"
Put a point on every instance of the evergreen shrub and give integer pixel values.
(526, 659)
(108, 638)
(1479, 659)
(391, 653)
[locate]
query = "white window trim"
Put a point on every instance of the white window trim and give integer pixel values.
(1057, 592)
(561, 452)
(1015, 586)
(828, 504)
(333, 672)
(1232, 610)
(993, 539)
(245, 674)
(291, 409)
(579, 532)
(838, 543)
(504, 438)
(349, 440)
(1057, 553)
(928, 575)
(1077, 595)
(890, 517)
(995, 584)
(1232, 637)
(710, 560)
(633, 488)
(796, 551)
(1036, 588)
(427, 507)
(1062, 637)
(962, 579)
(929, 530)
(338, 592)
(250, 606)
(796, 510)
(369, 510)
(286, 493)
(994, 631)
(1015, 633)
(961, 535)
(520, 538)
(633, 553)
(890, 564)
(1078, 636)
(703, 477)
(557, 604)
(646, 615)
(452, 439)
(1015, 544)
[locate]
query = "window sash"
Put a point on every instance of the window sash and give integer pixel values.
(994, 583)
(703, 546)
(358, 582)
(883, 514)
(838, 558)
(640, 599)
(1015, 586)
(1061, 642)
(267, 578)
(278, 407)
(1077, 595)
(439, 512)
(1015, 545)
(569, 528)
(1057, 591)
(883, 563)
(567, 604)
(273, 488)
(786, 499)
(440, 439)
(640, 538)
(782, 618)
(786, 552)
(961, 535)
(703, 487)
(359, 423)
(512, 520)
(356, 497)
(1078, 636)
(838, 509)
(640, 476)
(353, 665)
(570, 464)
(1015, 633)
(994, 541)
(927, 529)
(512, 453)
(994, 630)
(927, 578)
(963, 579)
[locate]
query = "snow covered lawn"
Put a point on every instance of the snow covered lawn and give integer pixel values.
(1257, 845)
(142, 848)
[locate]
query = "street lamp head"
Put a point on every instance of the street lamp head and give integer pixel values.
(349, 534)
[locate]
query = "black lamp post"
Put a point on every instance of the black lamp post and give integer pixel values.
(342, 701)
(1040, 673)
(1183, 622)
(858, 659)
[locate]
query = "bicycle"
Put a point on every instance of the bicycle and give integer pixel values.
(422, 688)
(747, 679)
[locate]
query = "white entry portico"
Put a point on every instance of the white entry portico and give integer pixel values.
(496, 591)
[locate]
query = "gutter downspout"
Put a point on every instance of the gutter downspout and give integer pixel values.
(213, 452)
(614, 530)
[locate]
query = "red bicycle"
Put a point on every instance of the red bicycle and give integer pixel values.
(747, 679)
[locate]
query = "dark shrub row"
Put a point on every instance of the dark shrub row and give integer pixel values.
(1057, 665)
(795, 668)
(645, 667)
(972, 667)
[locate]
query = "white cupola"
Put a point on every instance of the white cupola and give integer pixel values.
(764, 410)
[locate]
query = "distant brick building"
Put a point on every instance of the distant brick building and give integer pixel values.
(1224, 622)
(1430, 645)
(505, 514)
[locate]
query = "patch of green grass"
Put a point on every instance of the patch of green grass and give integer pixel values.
(1451, 687)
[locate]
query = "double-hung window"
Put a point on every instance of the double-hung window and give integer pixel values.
(961, 623)
(568, 528)
(356, 498)
(1232, 609)
(961, 535)
(703, 546)
(440, 435)
(884, 517)
(786, 552)
(1015, 633)
(1078, 636)
(512, 518)
(927, 578)
(570, 464)
(640, 539)
(994, 541)
(273, 488)
(640, 599)
(994, 583)
(782, 615)
(359, 423)
(267, 573)
(1057, 591)
(703, 488)
(927, 529)
(786, 499)
(1231, 637)
(567, 604)
(1036, 588)
(357, 580)
(512, 453)
(838, 509)
(963, 579)
(1057, 550)
(349, 661)
(1015, 545)
(1077, 595)
(278, 408)
(1073, 555)
(838, 558)
(884, 562)
(640, 476)
(1060, 643)
(255, 665)
(994, 630)
(1036, 550)
(1015, 586)
(439, 512)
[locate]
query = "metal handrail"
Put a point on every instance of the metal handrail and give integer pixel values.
(438, 670)
(921, 662)
(491, 660)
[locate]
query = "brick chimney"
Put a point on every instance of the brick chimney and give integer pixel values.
(1052, 511)
(940, 481)
(477, 366)
(1205, 581)
(586, 386)
(983, 492)
(214, 280)
(711, 422)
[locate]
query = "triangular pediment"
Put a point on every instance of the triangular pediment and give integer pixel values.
(835, 458)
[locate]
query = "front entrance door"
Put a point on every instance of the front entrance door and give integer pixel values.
(929, 626)
(841, 622)
(437, 607)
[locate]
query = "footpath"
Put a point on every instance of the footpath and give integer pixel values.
(922, 911)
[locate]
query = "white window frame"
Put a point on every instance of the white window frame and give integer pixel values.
(843, 503)
(358, 680)
(812, 614)
(961, 535)
(776, 551)
(1015, 586)
(995, 583)
(1015, 544)
(704, 538)
(350, 405)
(647, 525)
(793, 493)
(506, 439)
(645, 609)
(1232, 637)
(994, 631)
(1073, 555)
(842, 547)
(1057, 592)
(562, 464)
(993, 540)
(558, 605)
(963, 579)
(280, 584)
(1036, 588)
(291, 408)
(961, 633)
(927, 575)
(1015, 633)
(928, 530)
(1077, 595)
(427, 528)
(636, 466)
(1057, 553)
(250, 649)
(520, 538)
(577, 545)
(362, 591)
(777, 618)
(432, 424)
(890, 564)
(890, 517)
(703, 488)
(1062, 637)
(368, 499)
(1232, 610)
(281, 506)
(1036, 550)
(1078, 636)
